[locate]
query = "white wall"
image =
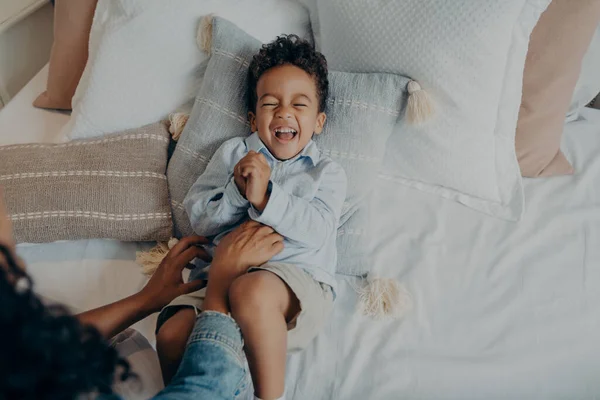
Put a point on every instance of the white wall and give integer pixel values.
(24, 49)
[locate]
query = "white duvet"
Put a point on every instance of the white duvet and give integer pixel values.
(501, 310)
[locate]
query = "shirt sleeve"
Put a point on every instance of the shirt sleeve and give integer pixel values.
(312, 222)
(211, 367)
(214, 201)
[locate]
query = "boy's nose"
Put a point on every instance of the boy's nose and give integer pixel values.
(284, 112)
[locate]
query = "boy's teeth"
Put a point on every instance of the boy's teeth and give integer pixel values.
(285, 130)
(285, 133)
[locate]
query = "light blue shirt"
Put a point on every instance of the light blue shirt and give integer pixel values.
(307, 193)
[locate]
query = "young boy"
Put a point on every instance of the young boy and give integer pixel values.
(278, 177)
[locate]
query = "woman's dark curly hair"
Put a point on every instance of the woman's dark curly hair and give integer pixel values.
(289, 49)
(45, 352)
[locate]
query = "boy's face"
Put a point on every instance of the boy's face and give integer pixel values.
(287, 110)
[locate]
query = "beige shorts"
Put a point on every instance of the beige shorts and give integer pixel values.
(316, 303)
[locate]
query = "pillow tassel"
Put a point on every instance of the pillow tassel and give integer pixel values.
(204, 37)
(177, 122)
(419, 107)
(384, 298)
(151, 259)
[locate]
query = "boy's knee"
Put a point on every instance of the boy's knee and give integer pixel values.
(252, 293)
(174, 332)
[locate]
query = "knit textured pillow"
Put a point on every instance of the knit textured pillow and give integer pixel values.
(114, 187)
(362, 112)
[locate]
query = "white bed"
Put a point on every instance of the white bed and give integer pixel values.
(501, 310)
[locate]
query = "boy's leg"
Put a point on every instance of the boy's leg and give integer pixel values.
(262, 305)
(171, 339)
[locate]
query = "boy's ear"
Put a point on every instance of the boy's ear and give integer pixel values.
(321, 118)
(252, 119)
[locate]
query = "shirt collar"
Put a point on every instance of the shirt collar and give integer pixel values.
(310, 151)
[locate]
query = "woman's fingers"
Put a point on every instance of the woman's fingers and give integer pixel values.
(249, 225)
(250, 244)
(277, 247)
(271, 241)
(275, 238)
(192, 286)
(185, 243)
(262, 231)
(266, 233)
(183, 259)
(203, 254)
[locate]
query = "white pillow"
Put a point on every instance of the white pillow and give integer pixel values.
(469, 55)
(144, 61)
(588, 85)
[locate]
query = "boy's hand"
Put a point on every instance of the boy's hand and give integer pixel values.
(255, 169)
(239, 180)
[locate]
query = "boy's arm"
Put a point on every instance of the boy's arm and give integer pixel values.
(214, 201)
(308, 222)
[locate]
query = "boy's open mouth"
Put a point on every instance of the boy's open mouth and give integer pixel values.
(285, 134)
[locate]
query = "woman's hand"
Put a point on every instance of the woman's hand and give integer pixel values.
(167, 283)
(251, 244)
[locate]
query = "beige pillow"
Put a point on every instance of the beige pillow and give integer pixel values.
(72, 24)
(114, 187)
(556, 50)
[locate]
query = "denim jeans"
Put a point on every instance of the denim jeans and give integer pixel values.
(213, 365)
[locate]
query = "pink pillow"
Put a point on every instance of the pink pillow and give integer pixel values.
(556, 50)
(72, 24)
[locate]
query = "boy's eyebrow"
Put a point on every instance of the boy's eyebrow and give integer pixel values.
(298, 95)
(264, 95)
(305, 96)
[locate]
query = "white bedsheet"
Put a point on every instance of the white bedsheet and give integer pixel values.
(501, 310)
(20, 122)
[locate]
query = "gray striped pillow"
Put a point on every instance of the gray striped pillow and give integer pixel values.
(114, 187)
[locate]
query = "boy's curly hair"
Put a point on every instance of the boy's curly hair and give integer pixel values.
(46, 352)
(289, 49)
